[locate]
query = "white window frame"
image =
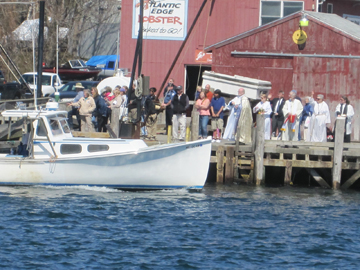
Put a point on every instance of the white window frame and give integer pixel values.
(281, 7)
(331, 6)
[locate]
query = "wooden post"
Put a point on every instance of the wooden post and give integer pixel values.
(9, 129)
(194, 125)
(187, 137)
(220, 165)
(351, 180)
(288, 173)
(259, 149)
(338, 151)
(169, 134)
(229, 169)
(114, 124)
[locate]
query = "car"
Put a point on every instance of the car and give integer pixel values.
(12, 90)
(67, 91)
(50, 82)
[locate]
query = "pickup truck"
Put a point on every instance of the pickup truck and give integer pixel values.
(12, 90)
(50, 82)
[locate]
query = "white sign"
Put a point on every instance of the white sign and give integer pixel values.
(352, 18)
(163, 19)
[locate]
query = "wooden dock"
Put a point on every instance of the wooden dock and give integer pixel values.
(330, 164)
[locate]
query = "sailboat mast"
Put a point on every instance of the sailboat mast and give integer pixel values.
(40, 50)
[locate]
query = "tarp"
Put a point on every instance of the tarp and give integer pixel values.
(101, 60)
(25, 31)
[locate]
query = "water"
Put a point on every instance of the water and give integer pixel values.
(235, 227)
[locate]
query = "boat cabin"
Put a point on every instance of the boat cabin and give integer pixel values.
(48, 135)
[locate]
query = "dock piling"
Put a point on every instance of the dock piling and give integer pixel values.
(259, 149)
(338, 152)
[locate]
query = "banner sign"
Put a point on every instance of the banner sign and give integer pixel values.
(352, 18)
(203, 57)
(163, 19)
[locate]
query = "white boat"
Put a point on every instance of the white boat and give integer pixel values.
(55, 157)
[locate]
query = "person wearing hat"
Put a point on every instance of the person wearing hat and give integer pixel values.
(180, 103)
(79, 88)
(87, 106)
(292, 112)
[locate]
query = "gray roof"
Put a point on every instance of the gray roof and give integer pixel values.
(334, 21)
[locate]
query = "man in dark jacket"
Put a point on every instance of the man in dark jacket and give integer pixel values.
(151, 114)
(133, 104)
(180, 103)
(277, 105)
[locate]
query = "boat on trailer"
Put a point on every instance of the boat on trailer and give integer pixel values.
(54, 157)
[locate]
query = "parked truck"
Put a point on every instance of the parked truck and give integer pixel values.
(50, 82)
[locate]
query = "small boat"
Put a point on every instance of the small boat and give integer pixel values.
(53, 156)
(75, 70)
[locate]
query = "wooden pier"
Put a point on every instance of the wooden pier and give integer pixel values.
(330, 164)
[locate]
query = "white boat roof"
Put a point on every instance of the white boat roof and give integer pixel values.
(32, 114)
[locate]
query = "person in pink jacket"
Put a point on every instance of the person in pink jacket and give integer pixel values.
(203, 107)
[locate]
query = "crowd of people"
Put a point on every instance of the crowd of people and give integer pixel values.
(308, 120)
(291, 119)
(93, 109)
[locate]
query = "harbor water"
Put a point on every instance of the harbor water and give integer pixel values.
(222, 227)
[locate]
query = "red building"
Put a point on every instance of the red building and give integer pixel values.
(329, 63)
(220, 19)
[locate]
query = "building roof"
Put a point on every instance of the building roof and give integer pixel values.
(334, 21)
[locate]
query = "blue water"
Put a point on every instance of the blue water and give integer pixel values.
(224, 227)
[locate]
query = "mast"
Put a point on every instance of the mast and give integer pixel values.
(40, 51)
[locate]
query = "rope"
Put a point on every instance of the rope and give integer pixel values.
(187, 47)
(205, 36)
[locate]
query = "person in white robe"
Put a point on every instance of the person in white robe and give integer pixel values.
(322, 117)
(240, 114)
(346, 110)
(264, 107)
(292, 111)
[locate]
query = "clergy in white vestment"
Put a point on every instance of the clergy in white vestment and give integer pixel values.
(292, 111)
(346, 110)
(322, 117)
(264, 107)
(240, 114)
(308, 117)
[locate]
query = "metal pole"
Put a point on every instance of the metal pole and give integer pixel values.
(38, 91)
(57, 49)
(181, 48)
(141, 30)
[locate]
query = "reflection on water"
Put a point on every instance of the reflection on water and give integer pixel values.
(222, 227)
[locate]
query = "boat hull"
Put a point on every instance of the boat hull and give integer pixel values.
(75, 74)
(161, 167)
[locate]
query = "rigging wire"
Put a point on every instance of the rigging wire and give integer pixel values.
(205, 36)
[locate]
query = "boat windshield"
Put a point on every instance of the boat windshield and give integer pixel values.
(55, 128)
(59, 126)
(75, 63)
(65, 126)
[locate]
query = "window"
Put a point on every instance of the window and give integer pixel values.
(55, 128)
(97, 147)
(111, 64)
(41, 129)
(70, 149)
(330, 8)
(273, 10)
